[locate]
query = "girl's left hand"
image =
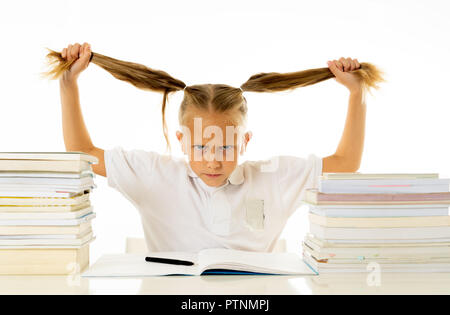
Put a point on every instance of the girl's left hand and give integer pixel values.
(341, 69)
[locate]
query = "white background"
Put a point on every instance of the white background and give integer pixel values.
(227, 42)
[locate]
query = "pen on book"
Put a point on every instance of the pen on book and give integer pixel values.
(169, 261)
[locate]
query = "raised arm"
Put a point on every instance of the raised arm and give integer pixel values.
(76, 135)
(347, 157)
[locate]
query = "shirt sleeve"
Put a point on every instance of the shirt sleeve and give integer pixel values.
(295, 175)
(129, 171)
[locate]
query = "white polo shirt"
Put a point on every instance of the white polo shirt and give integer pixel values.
(180, 212)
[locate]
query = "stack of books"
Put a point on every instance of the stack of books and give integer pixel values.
(45, 212)
(386, 222)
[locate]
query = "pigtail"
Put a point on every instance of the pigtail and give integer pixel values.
(140, 76)
(221, 98)
(369, 74)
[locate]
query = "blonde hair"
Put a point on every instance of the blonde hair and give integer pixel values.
(208, 97)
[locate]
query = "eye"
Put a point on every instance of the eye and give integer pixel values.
(198, 147)
(227, 148)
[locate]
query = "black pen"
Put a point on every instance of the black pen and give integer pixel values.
(169, 261)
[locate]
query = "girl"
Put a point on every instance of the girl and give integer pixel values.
(209, 200)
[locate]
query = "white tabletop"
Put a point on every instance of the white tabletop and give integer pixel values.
(387, 283)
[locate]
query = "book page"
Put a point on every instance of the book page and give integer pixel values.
(276, 263)
(134, 265)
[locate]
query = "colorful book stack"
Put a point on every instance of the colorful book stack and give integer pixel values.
(386, 222)
(45, 212)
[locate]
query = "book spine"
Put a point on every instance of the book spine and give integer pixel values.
(383, 182)
(379, 233)
(386, 189)
(383, 197)
(44, 201)
(376, 176)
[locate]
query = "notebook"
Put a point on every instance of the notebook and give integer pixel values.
(46, 181)
(49, 222)
(52, 156)
(45, 215)
(314, 196)
(357, 175)
(50, 240)
(407, 233)
(31, 174)
(379, 222)
(389, 211)
(387, 186)
(360, 253)
(412, 267)
(56, 209)
(206, 262)
(45, 165)
(44, 229)
(44, 201)
(50, 193)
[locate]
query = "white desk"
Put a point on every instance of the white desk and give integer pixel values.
(232, 285)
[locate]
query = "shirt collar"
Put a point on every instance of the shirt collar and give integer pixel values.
(236, 177)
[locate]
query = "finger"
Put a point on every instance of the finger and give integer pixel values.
(345, 63)
(64, 53)
(358, 65)
(84, 49)
(75, 51)
(352, 64)
(339, 65)
(89, 51)
(69, 49)
(79, 49)
(86, 52)
(333, 68)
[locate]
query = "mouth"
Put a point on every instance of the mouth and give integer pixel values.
(213, 175)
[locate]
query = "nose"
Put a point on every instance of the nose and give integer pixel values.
(212, 160)
(213, 165)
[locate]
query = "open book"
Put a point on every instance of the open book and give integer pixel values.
(206, 262)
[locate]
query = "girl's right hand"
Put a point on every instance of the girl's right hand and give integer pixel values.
(81, 54)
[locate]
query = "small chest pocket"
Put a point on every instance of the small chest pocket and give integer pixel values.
(254, 214)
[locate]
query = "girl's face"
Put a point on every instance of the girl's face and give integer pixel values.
(213, 142)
